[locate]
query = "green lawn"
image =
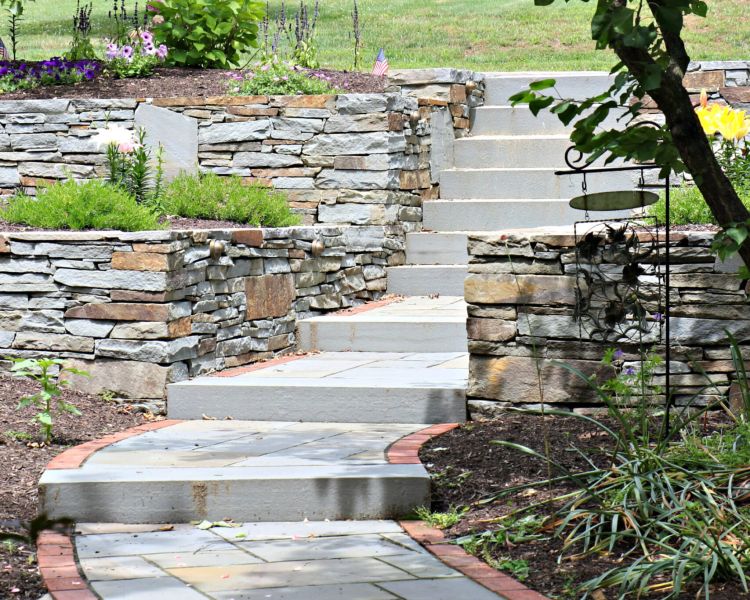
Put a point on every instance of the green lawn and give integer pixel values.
(477, 34)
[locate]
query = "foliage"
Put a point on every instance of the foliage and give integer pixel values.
(47, 373)
(207, 33)
(55, 71)
(129, 162)
(80, 47)
(442, 520)
(727, 243)
(278, 78)
(292, 37)
(672, 513)
(687, 206)
(137, 59)
(81, 205)
(209, 196)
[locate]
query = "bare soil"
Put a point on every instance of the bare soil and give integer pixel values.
(24, 457)
(172, 82)
(466, 467)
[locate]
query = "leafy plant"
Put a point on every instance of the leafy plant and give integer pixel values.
(21, 436)
(137, 59)
(442, 520)
(207, 33)
(80, 47)
(209, 196)
(46, 372)
(687, 206)
(278, 78)
(291, 38)
(81, 205)
(15, 14)
(55, 71)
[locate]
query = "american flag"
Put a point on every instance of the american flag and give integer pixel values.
(381, 64)
(4, 55)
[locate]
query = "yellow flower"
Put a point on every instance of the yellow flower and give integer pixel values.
(708, 115)
(732, 124)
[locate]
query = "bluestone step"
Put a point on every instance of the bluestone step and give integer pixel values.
(241, 470)
(511, 151)
(499, 87)
(330, 387)
(499, 214)
(426, 280)
(525, 183)
(431, 248)
(412, 325)
(515, 120)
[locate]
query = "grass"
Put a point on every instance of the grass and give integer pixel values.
(500, 35)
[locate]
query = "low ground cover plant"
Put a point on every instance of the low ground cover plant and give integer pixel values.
(278, 78)
(209, 196)
(55, 71)
(79, 205)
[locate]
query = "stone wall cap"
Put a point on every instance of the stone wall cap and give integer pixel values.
(427, 76)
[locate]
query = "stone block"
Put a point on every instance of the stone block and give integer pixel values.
(264, 159)
(358, 180)
(515, 379)
(46, 107)
(142, 261)
(357, 123)
(337, 144)
(125, 378)
(493, 330)
(116, 311)
(221, 133)
(413, 180)
(269, 296)
(711, 81)
(34, 141)
(348, 104)
(89, 327)
(127, 280)
(150, 330)
(150, 350)
(520, 289)
(53, 342)
(175, 133)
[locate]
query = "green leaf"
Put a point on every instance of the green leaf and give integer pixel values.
(542, 84)
(540, 103)
(45, 418)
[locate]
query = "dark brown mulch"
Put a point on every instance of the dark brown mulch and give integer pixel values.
(23, 461)
(171, 82)
(172, 223)
(466, 467)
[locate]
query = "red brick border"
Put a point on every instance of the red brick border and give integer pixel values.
(406, 451)
(58, 568)
(76, 456)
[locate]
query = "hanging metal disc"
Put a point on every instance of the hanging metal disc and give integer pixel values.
(620, 200)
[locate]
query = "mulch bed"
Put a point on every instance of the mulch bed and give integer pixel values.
(23, 461)
(173, 223)
(173, 82)
(466, 467)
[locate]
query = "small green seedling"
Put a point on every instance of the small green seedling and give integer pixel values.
(47, 373)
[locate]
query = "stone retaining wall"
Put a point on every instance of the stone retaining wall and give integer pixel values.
(360, 159)
(140, 310)
(521, 294)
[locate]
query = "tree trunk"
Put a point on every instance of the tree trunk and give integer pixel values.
(690, 140)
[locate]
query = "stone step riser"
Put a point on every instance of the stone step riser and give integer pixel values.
(487, 215)
(262, 499)
(436, 249)
(514, 120)
(398, 336)
(525, 183)
(498, 90)
(510, 153)
(329, 404)
(426, 281)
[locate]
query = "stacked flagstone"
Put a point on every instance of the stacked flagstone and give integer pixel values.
(140, 310)
(521, 292)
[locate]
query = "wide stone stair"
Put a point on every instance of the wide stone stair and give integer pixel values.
(503, 177)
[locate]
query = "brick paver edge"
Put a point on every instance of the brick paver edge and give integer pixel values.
(406, 451)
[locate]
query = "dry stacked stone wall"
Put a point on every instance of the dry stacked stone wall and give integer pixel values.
(356, 159)
(141, 310)
(521, 294)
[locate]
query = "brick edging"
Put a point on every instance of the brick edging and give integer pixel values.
(59, 570)
(74, 457)
(406, 451)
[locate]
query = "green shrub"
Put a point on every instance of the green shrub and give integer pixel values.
(277, 79)
(81, 205)
(207, 33)
(687, 206)
(209, 196)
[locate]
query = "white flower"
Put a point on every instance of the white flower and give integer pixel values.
(117, 135)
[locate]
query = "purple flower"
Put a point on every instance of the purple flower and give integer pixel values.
(265, 67)
(618, 354)
(147, 37)
(630, 371)
(658, 317)
(148, 50)
(111, 51)
(161, 52)
(126, 52)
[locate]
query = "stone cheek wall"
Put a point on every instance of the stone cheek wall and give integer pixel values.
(521, 295)
(140, 310)
(358, 159)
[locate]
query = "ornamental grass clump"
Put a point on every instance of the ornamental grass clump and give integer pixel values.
(670, 507)
(278, 78)
(79, 205)
(209, 196)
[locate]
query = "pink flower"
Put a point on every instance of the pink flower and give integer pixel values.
(111, 51)
(126, 52)
(162, 51)
(265, 67)
(147, 37)
(148, 50)
(153, 6)
(157, 20)
(127, 146)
